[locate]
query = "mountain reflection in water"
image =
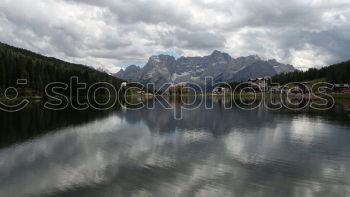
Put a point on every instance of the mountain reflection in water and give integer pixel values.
(146, 152)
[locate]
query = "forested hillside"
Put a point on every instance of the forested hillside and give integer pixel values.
(39, 70)
(337, 73)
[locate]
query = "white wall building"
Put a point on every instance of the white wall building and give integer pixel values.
(221, 90)
(262, 84)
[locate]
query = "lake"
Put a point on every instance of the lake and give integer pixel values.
(151, 152)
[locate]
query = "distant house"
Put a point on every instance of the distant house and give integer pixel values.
(179, 90)
(259, 84)
(124, 84)
(328, 88)
(341, 88)
(141, 92)
(221, 90)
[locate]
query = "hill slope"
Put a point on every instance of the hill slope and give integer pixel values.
(16, 63)
(337, 73)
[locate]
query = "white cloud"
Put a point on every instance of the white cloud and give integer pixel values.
(309, 56)
(105, 33)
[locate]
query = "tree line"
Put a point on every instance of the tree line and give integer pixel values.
(16, 63)
(337, 73)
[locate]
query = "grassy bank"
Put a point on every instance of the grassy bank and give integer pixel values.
(342, 97)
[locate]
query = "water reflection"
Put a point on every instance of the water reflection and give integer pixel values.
(214, 152)
(36, 120)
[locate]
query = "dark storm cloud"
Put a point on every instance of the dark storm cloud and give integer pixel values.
(105, 33)
(193, 40)
(151, 11)
(292, 25)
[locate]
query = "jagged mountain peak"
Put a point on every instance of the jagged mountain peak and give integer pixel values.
(132, 67)
(256, 57)
(161, 57)
(250, 57)
(217, 52)
(221, 66)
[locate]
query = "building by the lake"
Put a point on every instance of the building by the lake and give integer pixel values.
(221, 90)
(179, 90)
(341, 88)
(259, 84)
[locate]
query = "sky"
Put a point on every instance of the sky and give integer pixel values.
(111, 34)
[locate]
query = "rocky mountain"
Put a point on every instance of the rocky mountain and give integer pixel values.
(221, 66)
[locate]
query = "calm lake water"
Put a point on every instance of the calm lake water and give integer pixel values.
(147, 152)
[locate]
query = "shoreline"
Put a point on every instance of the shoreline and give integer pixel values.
(259, 95)
(336, 97)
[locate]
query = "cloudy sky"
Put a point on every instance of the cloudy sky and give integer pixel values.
(114, 33)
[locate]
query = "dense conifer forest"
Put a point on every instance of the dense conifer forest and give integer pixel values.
(39, 70)
(337, 73)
